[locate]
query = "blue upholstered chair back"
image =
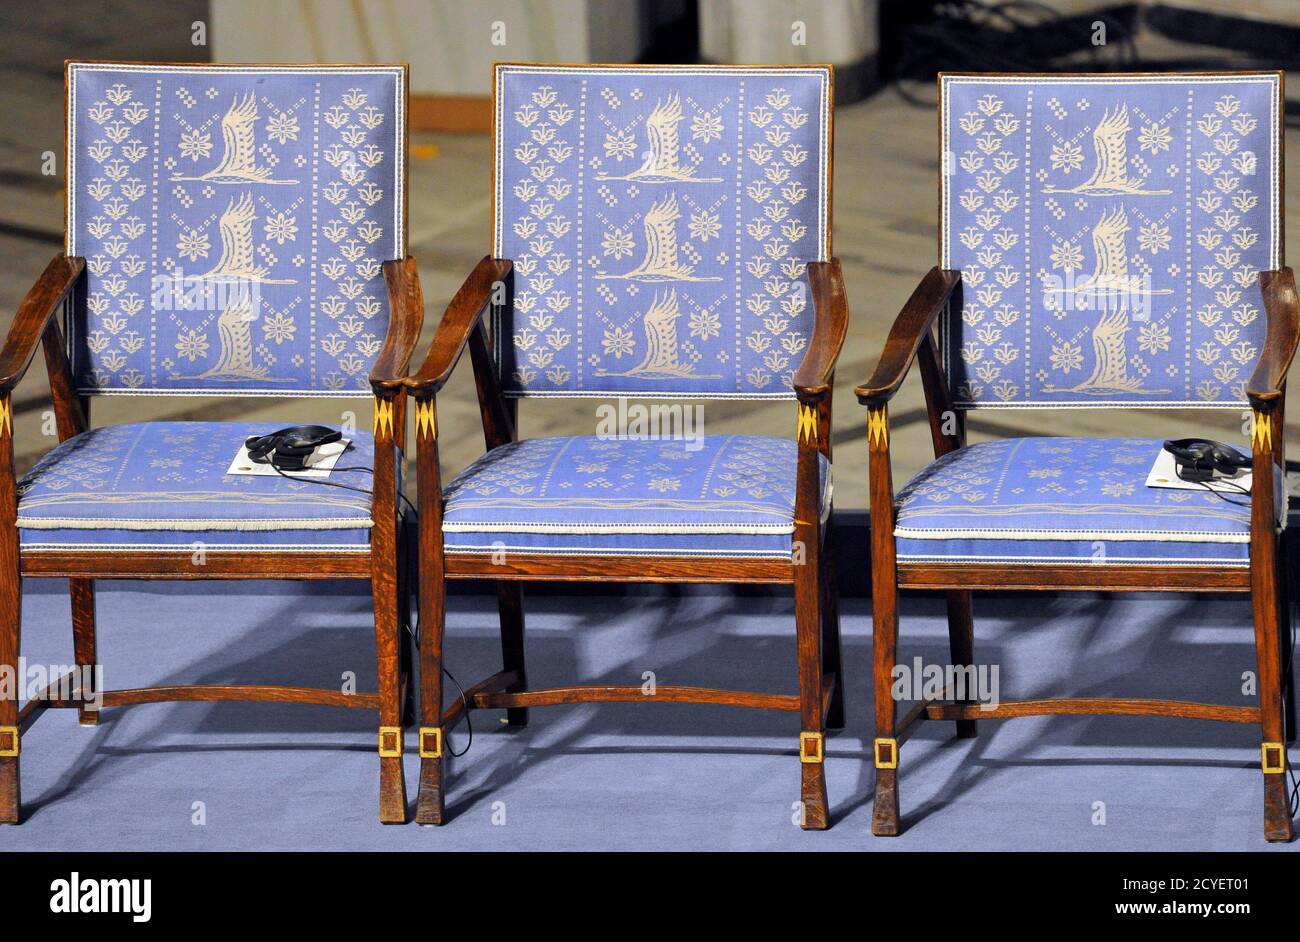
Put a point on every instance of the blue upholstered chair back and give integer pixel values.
(1109, 231)
(234, 221)
(660, 221)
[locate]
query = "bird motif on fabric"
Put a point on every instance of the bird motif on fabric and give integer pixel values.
(238, 159)
(238, 261)
(662, 357)
(1110, 173)
(1110, 286)
(661, 262)
(1110, 274)
(235, 332)
(662, 162)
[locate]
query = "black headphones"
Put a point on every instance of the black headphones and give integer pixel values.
(289, 448)
(1198, 460)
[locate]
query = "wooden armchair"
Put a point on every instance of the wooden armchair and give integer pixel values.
(231, 231)
(676, 272)
(1105, 240)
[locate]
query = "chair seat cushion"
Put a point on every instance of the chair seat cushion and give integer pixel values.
(157, 485)
(1042, 500)
(729, 495)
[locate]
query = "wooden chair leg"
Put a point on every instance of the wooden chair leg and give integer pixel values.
(1266, 598)
(392, 783)
(83, 640)
(1268, 651)
(831, 660)
(885, 752)
(808, 629)
(407, 674)
(10, 633)
(430, 804)
(961, 646)
(1287, 669)
(510, 601)
(406, 637)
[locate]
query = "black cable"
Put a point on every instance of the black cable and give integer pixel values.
(469, 727)
(1219, 494)
(1024, 36)
(346, 487)
(970, 36)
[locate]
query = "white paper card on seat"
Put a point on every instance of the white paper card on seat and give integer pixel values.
(1164, 473)
(319, 463)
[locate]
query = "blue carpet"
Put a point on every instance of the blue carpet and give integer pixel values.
(628, 776)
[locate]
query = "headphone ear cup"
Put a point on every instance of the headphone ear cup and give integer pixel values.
(1228, 460)
(259, 446)
(1188, 450)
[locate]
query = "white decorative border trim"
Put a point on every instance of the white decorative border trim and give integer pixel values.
(233, 393)
(636, 393)
(1075, 561)
(1137, 536)
(185, 549)
(484, 527)
(462, 549)
(186, 526)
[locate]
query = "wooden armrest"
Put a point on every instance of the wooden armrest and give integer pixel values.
(1282, 308)
(457, 324)
(830, 324)
(405, 319)
(33, 314)
(910, 328)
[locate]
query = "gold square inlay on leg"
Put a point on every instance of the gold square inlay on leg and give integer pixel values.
(810, 747)
(885, 752)
(431, 735)
(390, 742)
(10, 741)
(1272, 757)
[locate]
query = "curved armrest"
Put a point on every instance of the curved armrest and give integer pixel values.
(457, 324)
(405, 319)
(33, 314)
(830, 324)
(1282, 308)
(910, 328)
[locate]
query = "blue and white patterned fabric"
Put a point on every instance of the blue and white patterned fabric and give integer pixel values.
(1042, 500)
(721, 495)
(660, 221)
(163, 485)
(234, 221)
(1109, 231)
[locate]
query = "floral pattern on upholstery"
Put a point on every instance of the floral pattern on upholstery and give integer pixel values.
(1109, 231)
(720, 495)
(165, 484)
(234, 222)
(1064, 499)
(660, 221)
